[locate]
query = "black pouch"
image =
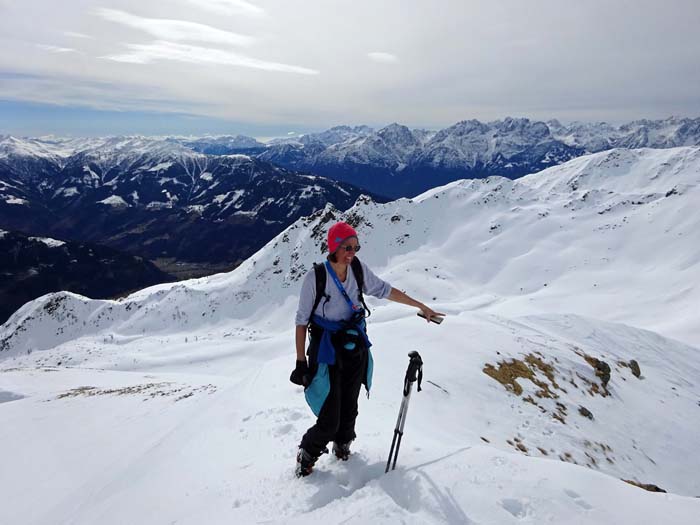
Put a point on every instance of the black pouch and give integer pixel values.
(349, 337)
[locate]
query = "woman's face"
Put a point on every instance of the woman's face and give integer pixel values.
(346, 251)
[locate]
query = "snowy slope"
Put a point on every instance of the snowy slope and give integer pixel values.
(540, 278)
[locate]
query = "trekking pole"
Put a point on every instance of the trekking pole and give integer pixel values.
(413, 373)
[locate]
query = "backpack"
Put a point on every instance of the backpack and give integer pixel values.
(320, 273)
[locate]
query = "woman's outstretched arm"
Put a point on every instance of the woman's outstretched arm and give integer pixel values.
(400, 297)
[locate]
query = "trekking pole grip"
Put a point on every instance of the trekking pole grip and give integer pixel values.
(414, 372)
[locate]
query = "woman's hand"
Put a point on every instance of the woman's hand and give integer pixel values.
(300, 374)
(400, 297)
(429, 312)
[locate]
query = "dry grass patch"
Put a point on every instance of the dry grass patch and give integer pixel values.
(508, 372)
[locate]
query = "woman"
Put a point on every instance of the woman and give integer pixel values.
(339, 357)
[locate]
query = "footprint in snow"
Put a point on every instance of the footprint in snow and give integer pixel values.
(517, 508)
(283, 430)
(577, 499)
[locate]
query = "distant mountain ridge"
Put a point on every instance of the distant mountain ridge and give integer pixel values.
(397, 161)
(155, 197)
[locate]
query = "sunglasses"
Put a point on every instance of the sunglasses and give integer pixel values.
(350, 248)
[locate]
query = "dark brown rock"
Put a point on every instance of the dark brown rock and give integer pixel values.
(634, 366)
(585, 412)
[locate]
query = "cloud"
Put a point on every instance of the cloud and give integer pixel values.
(228, 7)
(75, 91)
(57, 49)
(73, 34)
(177, 30)
(383, 58)
(564, 63)
(162, 50)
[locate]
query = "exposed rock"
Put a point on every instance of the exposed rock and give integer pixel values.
(585, 412)
(602, 372)
(645, 486)
(634, 366)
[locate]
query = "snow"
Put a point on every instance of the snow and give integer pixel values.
(233, 198)
(67, 192)
(174, 403)
(10, 199)
(93, 175)
(162, 166)
(51, 243)
(206, 176)
(156, 205)
(169, 180)
(114, 200)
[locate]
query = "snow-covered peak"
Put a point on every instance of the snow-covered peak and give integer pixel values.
(55, 149)
(398, 134)
(18, 147)
(138, 152)
(522, 126)
(336, 135)
(48, 241)
(236, 141)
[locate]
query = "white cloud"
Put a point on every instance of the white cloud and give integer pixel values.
(229, 7)
(383, 58)
(178, 30)
(564, 63)
(57, 49)
(162, 50)
(73, 34)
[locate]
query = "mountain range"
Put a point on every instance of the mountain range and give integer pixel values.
(400, 162)
(564, 378)
(397, 161)
(155, 198)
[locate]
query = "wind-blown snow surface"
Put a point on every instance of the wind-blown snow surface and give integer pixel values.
(173, 404)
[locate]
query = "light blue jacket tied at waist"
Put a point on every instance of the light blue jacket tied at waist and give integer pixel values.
(317, 392)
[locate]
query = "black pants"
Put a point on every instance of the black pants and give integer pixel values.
(336, 421)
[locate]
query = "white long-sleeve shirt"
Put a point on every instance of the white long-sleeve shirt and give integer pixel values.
(336, 308)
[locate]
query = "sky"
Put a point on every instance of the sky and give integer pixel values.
(277, 67)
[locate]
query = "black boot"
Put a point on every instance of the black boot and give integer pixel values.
(341, 450)
(305, 463)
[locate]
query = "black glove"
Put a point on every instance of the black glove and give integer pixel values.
(300, 375)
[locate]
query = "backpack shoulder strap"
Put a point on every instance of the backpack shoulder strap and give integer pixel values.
(320, 274)
(357, 271)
